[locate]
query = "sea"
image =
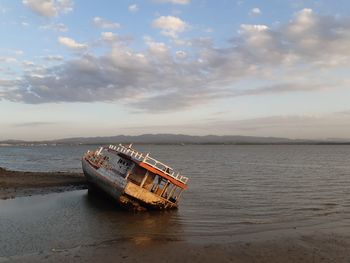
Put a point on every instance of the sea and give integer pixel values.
(234, 190)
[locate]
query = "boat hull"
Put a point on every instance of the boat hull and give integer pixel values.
(95, 178)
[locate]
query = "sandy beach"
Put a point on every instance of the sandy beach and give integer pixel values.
(17, 183)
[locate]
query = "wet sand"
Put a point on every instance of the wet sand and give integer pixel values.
(17, 183)
(309, 248)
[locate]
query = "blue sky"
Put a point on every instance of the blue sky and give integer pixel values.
(96, 68)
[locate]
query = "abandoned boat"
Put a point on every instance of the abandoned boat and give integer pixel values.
(135, 180)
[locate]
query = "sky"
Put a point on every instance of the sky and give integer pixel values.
(77, 68)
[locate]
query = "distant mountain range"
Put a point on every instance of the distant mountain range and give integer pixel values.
(176, 139)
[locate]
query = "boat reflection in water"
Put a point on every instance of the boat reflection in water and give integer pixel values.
(139, 228)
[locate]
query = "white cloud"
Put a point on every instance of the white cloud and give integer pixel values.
(181, 54)
(104, 23)
(310, 53)
(108, 36)
(251, 28)
(49, 8)
(25, 24)
(115, 39)
(19, 52)
(71, 43)
(8, 59)
(157, 48)
(255, 11)
(28, 63)
(179, 2)
(170, 25)
(304, 20)
(133, 8)
(53, 58)
(55, 27)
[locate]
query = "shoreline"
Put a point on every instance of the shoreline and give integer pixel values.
(19, 183)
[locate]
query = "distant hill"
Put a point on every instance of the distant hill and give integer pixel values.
(173, 139)
(176, 139)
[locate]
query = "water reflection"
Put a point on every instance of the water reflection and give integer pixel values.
(139, 227)
(67, 220)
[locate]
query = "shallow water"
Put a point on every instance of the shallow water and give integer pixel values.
(232, 190)
(77, 218)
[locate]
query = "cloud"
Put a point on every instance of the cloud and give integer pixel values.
(179, 2)
(114, 39)
(307, 54)
(156, 47)
(7, 83)
(181, 54)
(104, 23)
(71, 43)
(282, 88)
(321, 126)
(246, 28)
(133, 8)
(49, 8)
(108, 36)
(33, 124)
(18, 52)
(170, 25)
(255, 11)
(55, 27)
(342, 113)
(8, 60)
(28, 63)
(53, 58)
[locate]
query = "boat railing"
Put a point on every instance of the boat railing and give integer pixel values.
(150, 161)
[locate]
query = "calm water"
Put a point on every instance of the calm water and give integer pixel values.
(233, 190)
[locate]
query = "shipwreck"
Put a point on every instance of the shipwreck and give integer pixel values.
(135, 180)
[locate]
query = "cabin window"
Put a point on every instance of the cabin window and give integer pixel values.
(123, 162)
(123, 166)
